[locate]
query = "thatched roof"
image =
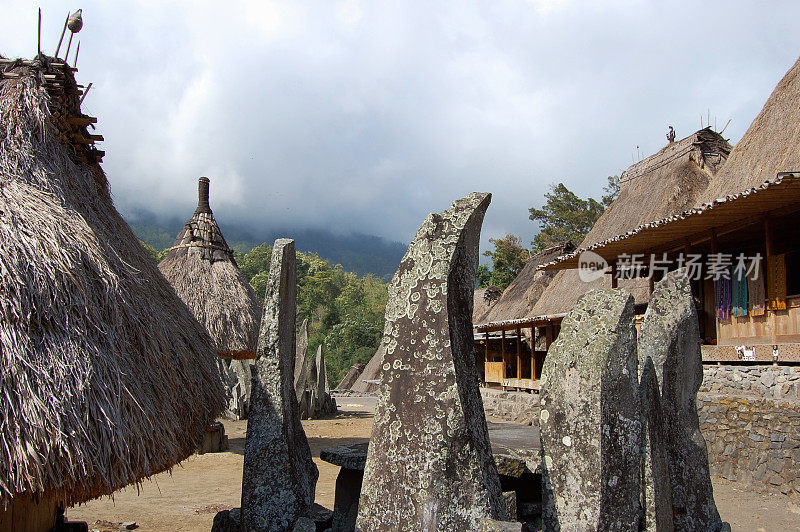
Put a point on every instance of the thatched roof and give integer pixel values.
(372, 372)
(201, 268)
(521, 295)
(661, 185)
(769, 146)
(483, 299)
(106, 377)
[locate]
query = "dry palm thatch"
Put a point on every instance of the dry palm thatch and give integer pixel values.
(521, 295)
(661, 185)
(201, 268)
(105, 376)
(769, 146)
(483, 299)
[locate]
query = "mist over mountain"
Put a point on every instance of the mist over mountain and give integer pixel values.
(358, 253)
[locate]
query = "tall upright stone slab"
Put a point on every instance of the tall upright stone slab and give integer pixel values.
(429, 464)
(279, 477)
(321, 401)
(590, 418)
(656, 485)
(670, 337)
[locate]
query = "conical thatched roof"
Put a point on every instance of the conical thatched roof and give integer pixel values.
(106, 377)
(663, 184)
(201, 268)
(769, 146)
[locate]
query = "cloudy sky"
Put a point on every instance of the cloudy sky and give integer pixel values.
(365, 116)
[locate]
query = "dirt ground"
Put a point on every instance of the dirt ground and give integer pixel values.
(188, 498)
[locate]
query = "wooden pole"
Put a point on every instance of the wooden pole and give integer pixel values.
(519, 353)
(613, 276)
(66, 20)
(503, 350)
(533, 352)
(39, 35)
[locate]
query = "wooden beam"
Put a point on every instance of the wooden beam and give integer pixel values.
(81, 120)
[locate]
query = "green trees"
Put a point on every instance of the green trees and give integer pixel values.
(565, 216)
(508, 259)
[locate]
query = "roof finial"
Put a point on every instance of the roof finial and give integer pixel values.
(671, 135)
(202, 195)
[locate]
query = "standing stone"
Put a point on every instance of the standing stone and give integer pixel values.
(321, 401)
(590, 419)
(670, 337)
(429, 464)
(302, 372)
(656, 487)
(237, 379)
(279, 477)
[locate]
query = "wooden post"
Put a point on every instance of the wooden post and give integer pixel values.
(486, 351)
(519, 353)
(768, 236)
(613, 277)
(503, 350)
(533, 353)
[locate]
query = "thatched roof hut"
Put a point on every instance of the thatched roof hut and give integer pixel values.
(521, 295)
(106, 376)
(483, 299)
(201, 268)
(663, 184)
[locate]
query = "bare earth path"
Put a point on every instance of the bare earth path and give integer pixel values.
(204, 484)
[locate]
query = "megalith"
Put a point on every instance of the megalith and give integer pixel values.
(656, 486)
(429, 464)
(590, 418)
(670, 337)
(321, 401)
(279, 476)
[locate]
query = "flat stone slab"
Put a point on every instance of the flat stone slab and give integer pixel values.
(515, 449)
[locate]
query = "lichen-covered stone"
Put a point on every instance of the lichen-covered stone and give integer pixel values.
(670, 337)
(279, 476)
(590, 419)
(429, 465)
(656, 487)
(302, 372)
(237, 380)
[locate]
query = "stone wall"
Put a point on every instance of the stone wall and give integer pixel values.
(753, 441)
(762, 381)
(519, 407)
(749, 417)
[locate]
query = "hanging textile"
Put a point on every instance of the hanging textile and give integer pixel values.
(776, 282)
(739, 296)
(722, 298)
(755, 289)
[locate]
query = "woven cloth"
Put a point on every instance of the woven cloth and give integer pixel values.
(722, 296)
(776, 282)
(755, 287)
(740, 294)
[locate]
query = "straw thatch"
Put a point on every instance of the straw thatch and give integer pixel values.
(661, 185)
(769, 146)
(483, 299)
(201, 268)
(521, 295)
(372, 372)
(106, 376)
